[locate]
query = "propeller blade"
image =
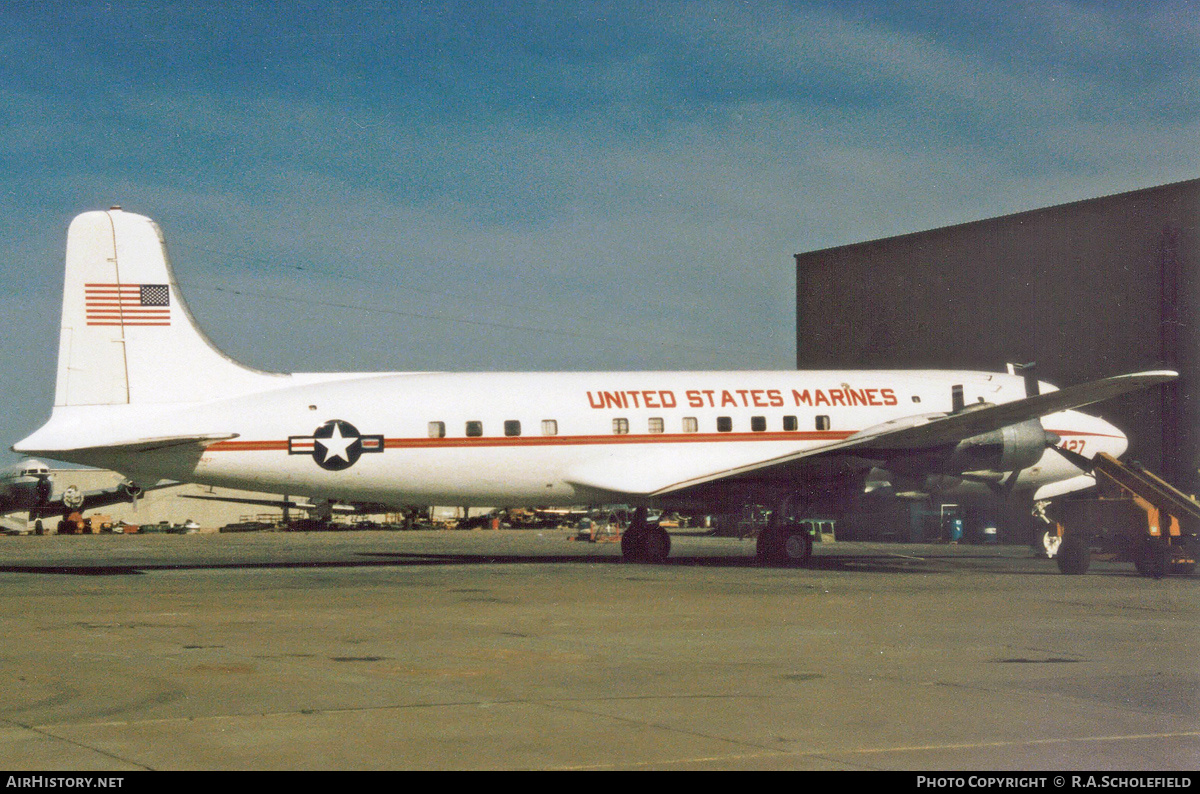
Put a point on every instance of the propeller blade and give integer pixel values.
(1074, 457)
(1054, 442)
(44, 489)
(72, 498)
(132, 492)
(1006, 486)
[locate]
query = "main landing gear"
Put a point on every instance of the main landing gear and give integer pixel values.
(783, 544)
(643, 542)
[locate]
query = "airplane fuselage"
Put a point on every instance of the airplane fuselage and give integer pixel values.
(550, 438)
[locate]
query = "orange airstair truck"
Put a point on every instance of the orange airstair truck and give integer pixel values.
(1138, 514)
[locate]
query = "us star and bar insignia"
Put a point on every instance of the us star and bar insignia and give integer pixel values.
(335, 445)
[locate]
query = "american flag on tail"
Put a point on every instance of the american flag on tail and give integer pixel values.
(127, 304)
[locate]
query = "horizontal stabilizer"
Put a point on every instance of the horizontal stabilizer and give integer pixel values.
(138, 445)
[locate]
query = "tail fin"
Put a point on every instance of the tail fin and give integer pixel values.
(127, 335)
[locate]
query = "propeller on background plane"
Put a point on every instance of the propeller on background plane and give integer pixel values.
(43, 489)
(133, 492)
(72, 498)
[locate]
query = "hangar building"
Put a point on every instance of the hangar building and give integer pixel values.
(1088, 289)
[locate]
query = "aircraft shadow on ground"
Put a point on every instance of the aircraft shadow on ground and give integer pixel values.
(831, 563)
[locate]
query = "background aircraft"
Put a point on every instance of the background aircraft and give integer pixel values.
(28, 486)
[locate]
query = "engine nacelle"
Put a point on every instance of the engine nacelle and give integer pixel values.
(1008, 449)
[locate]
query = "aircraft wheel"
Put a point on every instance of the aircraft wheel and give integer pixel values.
(1154, 558)
(1183, 568)
(769, 546)
(633, 544)
(797, 548)
(1140, 559)
(1074, 556)
(1186, 565)
(656, 545)
(1050, 544)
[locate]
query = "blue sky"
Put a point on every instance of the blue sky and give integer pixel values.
(539, 186)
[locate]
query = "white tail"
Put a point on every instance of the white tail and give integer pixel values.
(127, 335)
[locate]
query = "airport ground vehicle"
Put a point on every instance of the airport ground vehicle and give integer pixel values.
(1136, 515)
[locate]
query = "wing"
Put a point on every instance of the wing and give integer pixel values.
(922, 433)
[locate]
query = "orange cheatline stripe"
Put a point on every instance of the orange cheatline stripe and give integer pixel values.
(538, 441)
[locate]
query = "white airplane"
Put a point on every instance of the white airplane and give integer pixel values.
(28, 486)
(142, 390)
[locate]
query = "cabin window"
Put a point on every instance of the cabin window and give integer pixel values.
(549, 427)
(691, 424)
(437, 429)
(512, 427)
(620, 426)
(758, 423)
(822, 422)
(474, 429)
(724, 424)
(790, 423)
(656, 424)
(916, 398)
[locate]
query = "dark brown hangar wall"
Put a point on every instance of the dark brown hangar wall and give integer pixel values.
(1087, 289)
